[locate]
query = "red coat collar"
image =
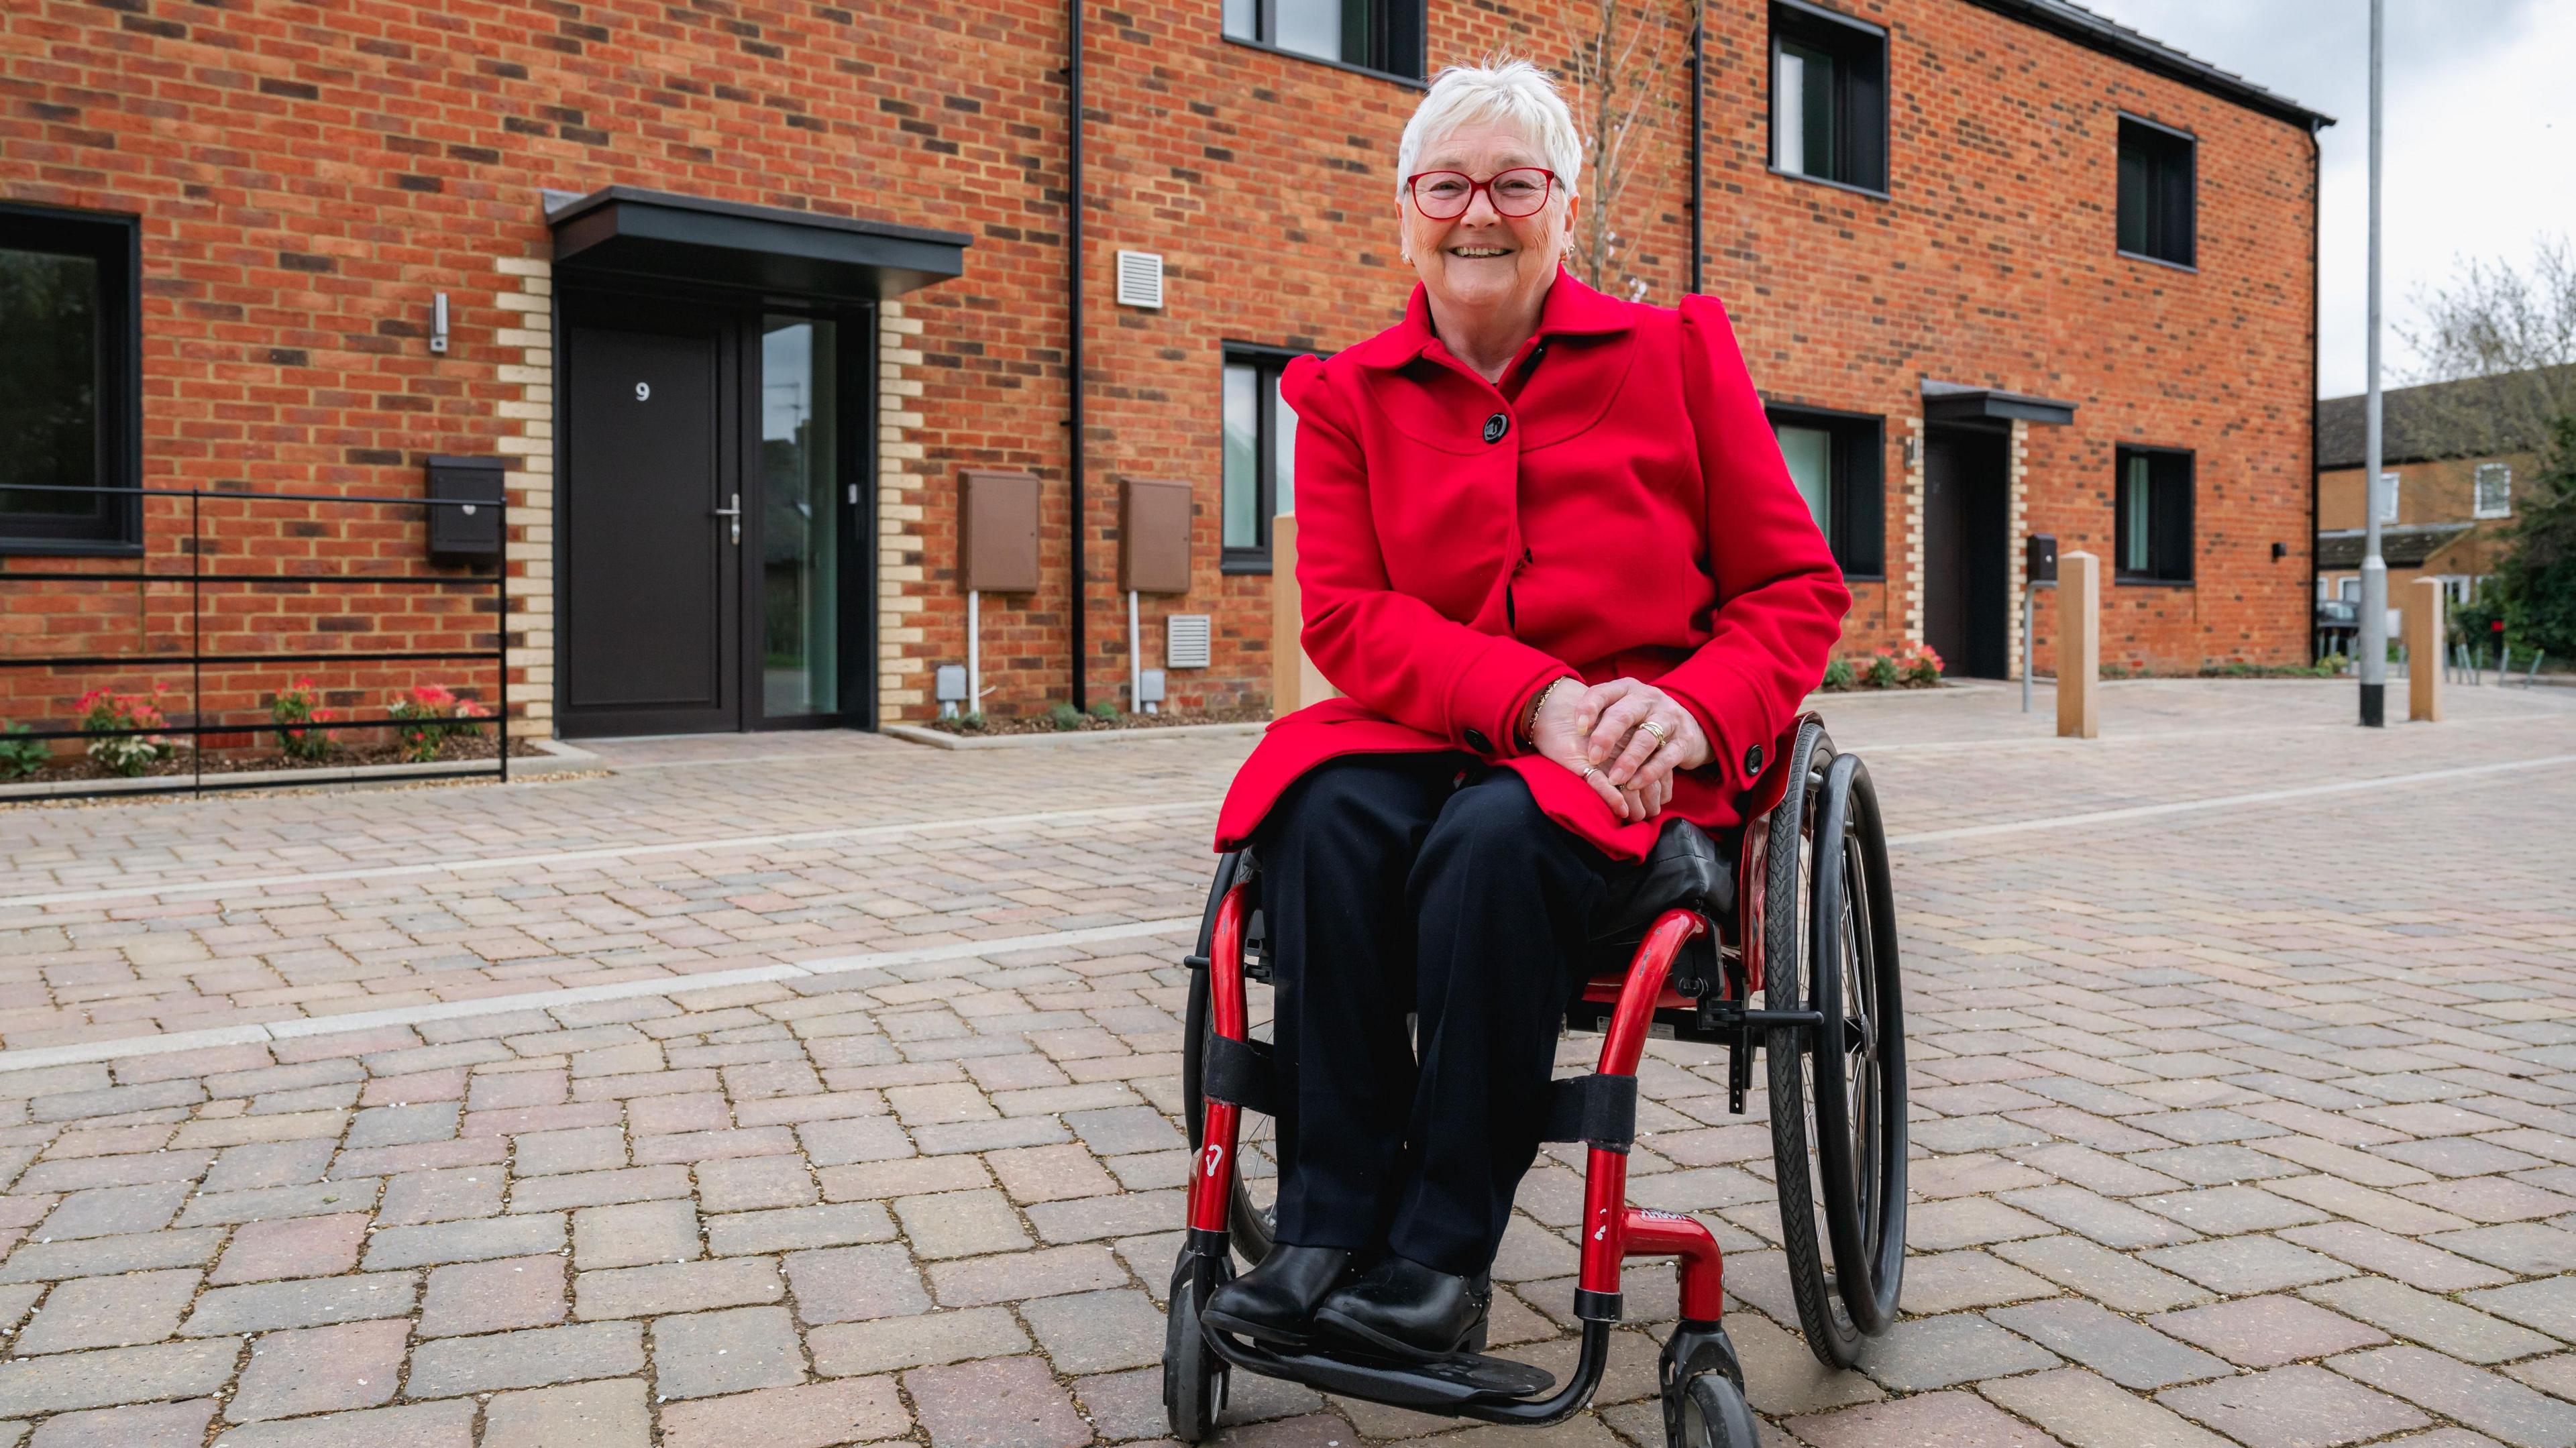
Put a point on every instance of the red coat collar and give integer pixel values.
(1571, 309)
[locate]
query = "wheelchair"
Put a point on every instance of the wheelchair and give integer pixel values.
(1797, 906)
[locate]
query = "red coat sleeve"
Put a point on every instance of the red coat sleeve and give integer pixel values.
(1388, 650)
(1780, 596)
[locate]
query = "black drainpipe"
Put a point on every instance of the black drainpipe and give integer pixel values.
(1073, 265)
(1698, 187)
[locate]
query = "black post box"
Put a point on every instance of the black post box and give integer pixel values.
(465, 523)
(2039, 558)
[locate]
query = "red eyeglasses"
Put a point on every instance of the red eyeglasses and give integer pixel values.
(1446, 195)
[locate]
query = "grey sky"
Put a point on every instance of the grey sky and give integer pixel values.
(2480, 134)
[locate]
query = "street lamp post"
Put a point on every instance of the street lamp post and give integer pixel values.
(2374, 569)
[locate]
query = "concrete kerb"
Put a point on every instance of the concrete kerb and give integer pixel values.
(939, 739)
(892, 964)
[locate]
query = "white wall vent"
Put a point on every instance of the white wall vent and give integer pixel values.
(1185, 641)
(1140, 279)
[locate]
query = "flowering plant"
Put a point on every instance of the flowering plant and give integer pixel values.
(107, 713)
(427, 720)
(1920, 666)
(294, 707)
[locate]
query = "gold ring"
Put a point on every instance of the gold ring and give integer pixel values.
(1662, 736)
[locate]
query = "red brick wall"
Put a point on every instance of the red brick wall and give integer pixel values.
(308, 176)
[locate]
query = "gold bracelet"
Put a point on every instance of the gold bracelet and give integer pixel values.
(1529, 724)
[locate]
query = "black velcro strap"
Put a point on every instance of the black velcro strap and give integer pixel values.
(1600, 1110)
(1240, 1072)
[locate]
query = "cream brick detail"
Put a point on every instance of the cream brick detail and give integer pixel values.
(524, 266)
(1913, 535)
(2016, 527)
(530, 518)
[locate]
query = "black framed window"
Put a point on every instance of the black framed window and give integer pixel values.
(1385, 36)
(2152, 530)
(2159, 182)
(1260, 454)
(1839, 462)
(1828, 96)
(70, 390)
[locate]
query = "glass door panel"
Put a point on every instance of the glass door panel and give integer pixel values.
(800, 477)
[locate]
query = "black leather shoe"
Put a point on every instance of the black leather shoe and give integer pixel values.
(1275, 1302)
(1405, 1310)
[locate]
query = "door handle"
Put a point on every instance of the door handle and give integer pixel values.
(734, 513)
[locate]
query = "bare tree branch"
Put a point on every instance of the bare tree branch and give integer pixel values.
(1618, 63)
(2511, 333)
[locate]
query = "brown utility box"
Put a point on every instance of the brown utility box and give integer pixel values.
(997, 525)
(1153, 535)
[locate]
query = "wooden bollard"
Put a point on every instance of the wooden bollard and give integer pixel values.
(2421, 628)
(1295, 682)
(2079, 646)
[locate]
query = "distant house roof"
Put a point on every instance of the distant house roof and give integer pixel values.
(2074, 22)
(2401, 545)
(2417, 424)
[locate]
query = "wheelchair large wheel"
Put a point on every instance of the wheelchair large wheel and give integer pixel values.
(1251, 1222)
(1837, 1092)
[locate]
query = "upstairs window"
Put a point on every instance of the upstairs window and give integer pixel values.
(1838, 462)
(69, 389)
(1260, 455)
(2388, 497)
(2495, 490)
(1377, 35)
(1828, 97)
(2159, 180)
(2153, 529)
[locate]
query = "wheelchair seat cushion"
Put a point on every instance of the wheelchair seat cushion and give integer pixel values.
(1687, 870)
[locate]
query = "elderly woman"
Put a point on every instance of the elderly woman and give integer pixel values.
(1549, 552)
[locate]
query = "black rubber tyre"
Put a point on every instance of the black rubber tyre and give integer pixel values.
(1858, 1071)
(1195, 1379)
(1711, 1413)
(1787, 924)
(1251, 1225)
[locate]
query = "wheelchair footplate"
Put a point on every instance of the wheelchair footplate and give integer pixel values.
(1440, 1385)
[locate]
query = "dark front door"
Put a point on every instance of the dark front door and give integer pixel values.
(1964, 550)
(652, 491)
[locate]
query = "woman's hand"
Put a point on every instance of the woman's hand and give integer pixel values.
(1558, 732)
(1613, 719)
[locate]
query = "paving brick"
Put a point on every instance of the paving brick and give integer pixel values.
(447, 1195)
(2436, 1322)
(414, 1425)
(153, 1425)
(2290, 1406)
(817, 1415)
(875, 1180)
(474, 1297)
(2085, 1411)
(2102, 1219)
(2265, 1332)
(753, 1183)
(2122, 1283)
(1017, 1276)
(1123, 1129)
(1090, 1332)
(1049, 1173)
(580, 1149)
(998, 1403)
(961, 1224)
(1929, 1420)
(115, 1375)
(296, 1247)
(319, 1370)
(311, 1199)
(401, 1125)
(598, 1188)
(2121, 1350)
(610, 1414)
(853, 1284)
(634, 1234)
(693, 1146)
(1090, 1219)
(2548, 1305)
(790, 1228)
(109, 1312)
(42, 1261)
(474, 1241)
(2412, 1263)
(1948, 1281)
(2528, 1248)
(312, 1302)
(675, 1287)
(533, 1358)
(2247, 1264)
(699, 1355)
(110, 1211)
(2482, 1400)
(856, 1139)
(857, 1348)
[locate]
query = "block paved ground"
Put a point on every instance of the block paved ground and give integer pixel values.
(2245, 1100)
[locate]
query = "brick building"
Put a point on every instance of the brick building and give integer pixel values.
(737, 293)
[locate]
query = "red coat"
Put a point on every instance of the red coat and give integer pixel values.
(1617, 507)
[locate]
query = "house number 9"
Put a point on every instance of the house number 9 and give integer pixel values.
(643, 391)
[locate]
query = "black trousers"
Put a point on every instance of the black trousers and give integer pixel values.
(1428, 884)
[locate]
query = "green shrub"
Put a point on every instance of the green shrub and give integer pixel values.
(22, 757)
(294, 707)
(1838, 676)
(1104, 710)
(1065, 716)
(104, 711)
(1882, 672)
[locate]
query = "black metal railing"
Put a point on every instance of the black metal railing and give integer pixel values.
(197, 661)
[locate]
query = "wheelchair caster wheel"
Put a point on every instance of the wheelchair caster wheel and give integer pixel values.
(1710, 1413)
(1195, 1379)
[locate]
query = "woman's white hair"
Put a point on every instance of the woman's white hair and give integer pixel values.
(1513, 92)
